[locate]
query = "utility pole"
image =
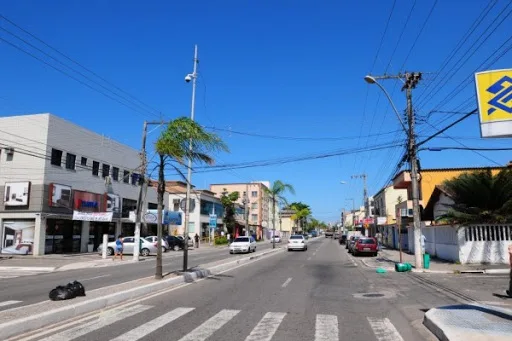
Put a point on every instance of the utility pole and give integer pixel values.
(138, 212)
(193, 77)
(365, 197)
(411, 80)
(274, 223)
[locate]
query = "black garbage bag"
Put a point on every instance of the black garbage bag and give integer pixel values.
(61, 293)
(77, 288)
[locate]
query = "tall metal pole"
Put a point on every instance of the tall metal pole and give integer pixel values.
(138, 216)
(414, 176)
(189, 166)
(274, 223)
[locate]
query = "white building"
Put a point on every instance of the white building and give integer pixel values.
(53, 171)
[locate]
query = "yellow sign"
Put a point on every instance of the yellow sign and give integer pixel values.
(494, 94)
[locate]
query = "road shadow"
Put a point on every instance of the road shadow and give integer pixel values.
(501, 296)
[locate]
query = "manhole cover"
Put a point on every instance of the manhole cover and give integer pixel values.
(373, 295)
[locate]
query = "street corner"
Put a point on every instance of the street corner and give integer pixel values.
(469, 322)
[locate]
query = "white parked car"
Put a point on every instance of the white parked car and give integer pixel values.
(154, 239)
(297, 242)
(277, 238)
(190, 241)
(146, 247)
(243, 244)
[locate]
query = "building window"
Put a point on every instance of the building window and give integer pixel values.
(254, 194)
(95, 168)
(135, 179)
(106, 170)
(176, 205)
(152, 206)
(70, 161)
(254, 205)
(115, 173)
(126, 177)
(254, 218)
(83, 162)
(56, 157)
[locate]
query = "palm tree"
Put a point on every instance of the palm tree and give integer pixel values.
(301, 212)
(480, 197)
(183, 139)
(276, 196)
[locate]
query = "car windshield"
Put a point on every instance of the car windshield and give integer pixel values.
(242, 240)
(366, 241)
(296, 237)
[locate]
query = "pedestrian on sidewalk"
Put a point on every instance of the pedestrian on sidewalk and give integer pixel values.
(509, 291)
(119, 247)
(196, 237)
(378, 236)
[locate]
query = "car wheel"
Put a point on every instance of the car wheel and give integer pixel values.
(230, 252)
(254, 249)
(110, 251)
(144, 252)
(175, 248)
(164, 250)
(355, 253)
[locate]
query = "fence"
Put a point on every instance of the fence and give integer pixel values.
(467, 244)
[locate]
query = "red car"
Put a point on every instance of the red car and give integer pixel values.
(365, 245)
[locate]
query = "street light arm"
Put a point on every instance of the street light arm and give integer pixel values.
(392, 105)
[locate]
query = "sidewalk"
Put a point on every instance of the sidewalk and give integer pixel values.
(388, 257)
(469, 322)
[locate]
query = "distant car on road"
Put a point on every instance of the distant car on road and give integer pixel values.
(175, 243)
(154, 239)
(277, 239)
(146, 247)
(352, 243)
(343, 239)
(243, 244)
(297, 242)
(336, 235)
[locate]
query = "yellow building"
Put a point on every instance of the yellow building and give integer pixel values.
(285, 225)
(429, 179)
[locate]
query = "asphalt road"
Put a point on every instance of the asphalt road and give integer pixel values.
(19, 291)
(314, 295)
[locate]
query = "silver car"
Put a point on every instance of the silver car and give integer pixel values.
(146, 247)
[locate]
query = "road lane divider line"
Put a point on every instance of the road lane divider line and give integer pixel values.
(267, 327)
(326, 328)
(384, 330)
(210, 326)
(7, 303)
(105, 319)
(285, 284)
(309, 258)
(90, 279)
(141, 331)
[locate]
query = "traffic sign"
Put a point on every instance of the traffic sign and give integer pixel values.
(213, 220)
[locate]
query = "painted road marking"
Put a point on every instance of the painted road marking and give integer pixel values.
(309, 258)
(140, 331)
(384, 330)
(6, 303)
(267, 327)
(105, 319)
(209, 327)
(89, 279)
(326, 328)
(286, 282)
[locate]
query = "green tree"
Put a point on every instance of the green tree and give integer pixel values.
(183, 139)
(301, 213)
(276, 196)
(228, 200)
(480, 197)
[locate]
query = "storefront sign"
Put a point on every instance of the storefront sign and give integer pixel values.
(60, 196)
(92, 216)
(16, 193)
(113, 203)
(494, 94)
(86, 201)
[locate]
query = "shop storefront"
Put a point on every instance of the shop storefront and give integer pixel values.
(63, 236)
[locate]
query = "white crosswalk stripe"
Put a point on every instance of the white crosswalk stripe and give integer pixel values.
(7, 303)
(141, 331)
(209, 327)
(267, 327)
(384, 330)
(104, 320)
(326, 328)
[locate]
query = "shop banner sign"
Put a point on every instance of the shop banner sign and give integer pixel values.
(93, 216)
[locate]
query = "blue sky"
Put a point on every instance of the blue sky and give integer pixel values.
(279, 68)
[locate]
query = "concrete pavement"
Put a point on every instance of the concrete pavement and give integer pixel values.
(23, 290)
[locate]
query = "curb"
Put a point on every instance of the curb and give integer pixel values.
(30, 323)
(447, 332)
(28, 268)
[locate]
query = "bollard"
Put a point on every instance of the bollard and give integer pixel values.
(105, 246)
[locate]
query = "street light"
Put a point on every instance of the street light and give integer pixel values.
(190, 77)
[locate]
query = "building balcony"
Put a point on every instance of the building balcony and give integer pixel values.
(402, 180)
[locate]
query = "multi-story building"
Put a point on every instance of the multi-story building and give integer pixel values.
(64, 186)
(257, 202)
(386, 200)
(204, 204)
